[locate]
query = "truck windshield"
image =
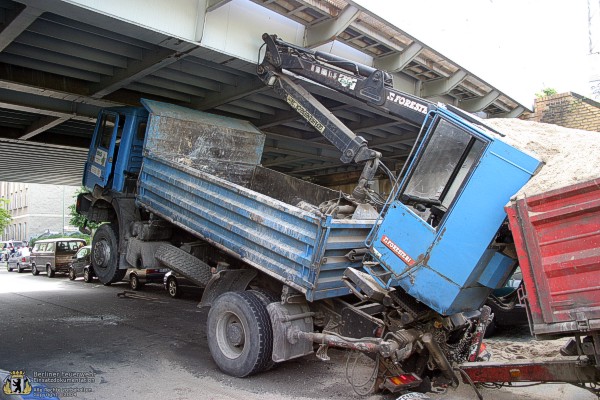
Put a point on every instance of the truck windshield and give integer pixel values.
(442, 167)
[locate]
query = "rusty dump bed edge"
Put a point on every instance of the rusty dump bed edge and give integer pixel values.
(557, 237)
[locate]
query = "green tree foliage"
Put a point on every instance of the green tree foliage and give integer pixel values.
(79, 220)
(5, 217)
(546, 92)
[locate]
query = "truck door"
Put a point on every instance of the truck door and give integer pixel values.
(415, 219)
(102, 155)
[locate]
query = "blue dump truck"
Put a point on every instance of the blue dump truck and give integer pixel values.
(288, 266)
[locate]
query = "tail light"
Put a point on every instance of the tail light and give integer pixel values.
(152, 271)
(23, 259)
(402, 382)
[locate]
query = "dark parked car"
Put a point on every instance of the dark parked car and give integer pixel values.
(82, 265)
(19, 260)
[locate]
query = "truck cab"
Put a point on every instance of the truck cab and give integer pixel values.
(439, 236)
(115, 156)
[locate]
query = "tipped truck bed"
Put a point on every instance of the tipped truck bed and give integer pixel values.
(557, 237)
(201, 173)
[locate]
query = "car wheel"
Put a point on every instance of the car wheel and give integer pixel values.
(72, 275)
(134, 282)
(240, 337)
(19, 269)
(49, 271)
(9, 269)
(173, 288)
(105, 254)
(34, 270)
(87, 277)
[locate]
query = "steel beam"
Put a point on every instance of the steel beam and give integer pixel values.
(244, 87)
(43, 124)
(47, 106)
(398, 61)
(212, 5)
(478, 104)
(514, 113)
(327, 31)
(151, 62)
(443, 86)
(17, 25)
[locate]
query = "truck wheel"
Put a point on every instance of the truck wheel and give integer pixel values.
(240, 337)
(105, 255)
(49, 271)
(186, 264)
(267, 297)
(34, 270)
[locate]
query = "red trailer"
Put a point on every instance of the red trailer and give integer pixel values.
(557, 239)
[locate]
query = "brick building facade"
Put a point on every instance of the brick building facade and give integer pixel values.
(566, 109)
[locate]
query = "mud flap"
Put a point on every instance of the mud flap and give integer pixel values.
(228, 280)
(285, 319)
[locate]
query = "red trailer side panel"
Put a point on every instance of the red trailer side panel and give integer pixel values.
(557, 235)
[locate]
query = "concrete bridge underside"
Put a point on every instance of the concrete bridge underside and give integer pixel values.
(61, 61)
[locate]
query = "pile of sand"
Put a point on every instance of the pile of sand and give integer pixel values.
(570, 156)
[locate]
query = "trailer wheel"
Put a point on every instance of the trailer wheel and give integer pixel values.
(240, 337)
(105, 255)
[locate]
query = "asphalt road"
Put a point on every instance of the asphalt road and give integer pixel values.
(149, 346)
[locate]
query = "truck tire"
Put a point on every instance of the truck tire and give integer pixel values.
(105, 255)
(267, 297)
(186, 264)
(240, 337)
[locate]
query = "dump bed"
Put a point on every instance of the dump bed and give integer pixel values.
(557, 236)
(201, 172)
